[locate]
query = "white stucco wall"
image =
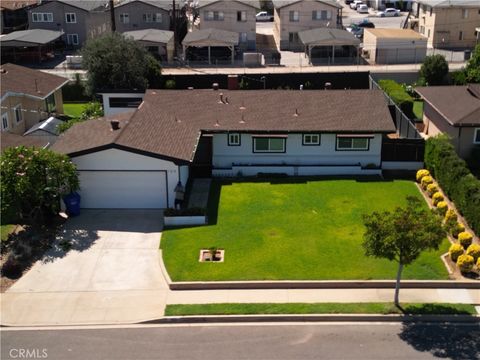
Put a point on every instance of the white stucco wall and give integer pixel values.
(296, 154)
(107, 110)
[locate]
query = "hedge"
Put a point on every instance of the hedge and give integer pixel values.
(455, 178)
(398, 95)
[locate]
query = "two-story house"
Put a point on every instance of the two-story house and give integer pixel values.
(235, 16)
(28, 97)
(449, 24)
(79, 20)
(131, 15)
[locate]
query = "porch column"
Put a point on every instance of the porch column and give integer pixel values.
(209, 62)
(310, 54)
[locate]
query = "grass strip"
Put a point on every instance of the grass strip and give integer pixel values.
(319, 308)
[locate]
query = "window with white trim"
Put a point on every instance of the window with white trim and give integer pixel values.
(72, 39)
(460, 35)
(5, 121)
(148, 18)
(242, 37)
(476, 137)
(214, 15)
(234, 139)
(353, 143)
(124, 18)
(42, 17)
(293, 37)
(294, 16)
(311, 139)
(70, 18)
(268, 145)
(242, 16)
(464, 13)
(17, 110)
(158, 17)
(321, 15)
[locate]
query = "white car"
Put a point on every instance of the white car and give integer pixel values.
(264, 16)
(362, 9)
(389, 12)
(354, 4)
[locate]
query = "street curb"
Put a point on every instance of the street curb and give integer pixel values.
(195, 319)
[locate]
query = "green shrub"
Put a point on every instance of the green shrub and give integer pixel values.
(426, 180)
(421, 173)
(478, 263)
(434, 69)
(465, 263)
(398, 95)
(451, 216)
(465, 239)
(442, 207)
(455, 251)
(437, 197)
(474, 251)
(457, 229)
(432, 189)
(170, 84)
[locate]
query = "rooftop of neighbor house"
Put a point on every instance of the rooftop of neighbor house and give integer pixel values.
(18, 79)
(90, 5)
(463, 111)
(278, 4)
(161, 4)
(169, 122)
(450, 3)
(16, 4)
(253, 3)
(9, 140)
(396, 34)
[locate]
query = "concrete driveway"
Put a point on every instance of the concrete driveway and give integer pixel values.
(112, 273)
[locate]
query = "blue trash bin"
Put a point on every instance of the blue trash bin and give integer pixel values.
(72, 203)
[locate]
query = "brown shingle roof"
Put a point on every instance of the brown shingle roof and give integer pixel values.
(22, 80)
(16, 4)
(457, 104)
(169, 122)
(9, 140)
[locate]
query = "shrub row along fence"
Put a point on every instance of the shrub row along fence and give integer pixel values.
(456, 180)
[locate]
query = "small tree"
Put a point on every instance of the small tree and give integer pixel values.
(114, 61)
(402, 235)
(33, 181)
(434, 69)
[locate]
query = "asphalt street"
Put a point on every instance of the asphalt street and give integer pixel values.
(268, 341)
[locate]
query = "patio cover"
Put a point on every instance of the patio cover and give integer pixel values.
(29, 38)
(328, 37)
(150, 35)
(209, 38)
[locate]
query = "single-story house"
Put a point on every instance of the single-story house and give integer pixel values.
(208, 39)
(160, 43)
(394, 46)
(134, 160)
(455, 111)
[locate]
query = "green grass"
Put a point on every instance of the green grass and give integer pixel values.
(310, 230)
(5, 230)
(74, 110)
(418, 109)
(318, 308)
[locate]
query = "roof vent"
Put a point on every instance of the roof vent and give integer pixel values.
(115, 124)
(190, 88)
(220, 101)
(243, 106)
(242, 121)
(177, 120)
(328, 85)
(217, 124)
(3, 71)
(296, 112)
(215, 86)
(226, 100)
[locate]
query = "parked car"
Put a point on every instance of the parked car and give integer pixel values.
(389, 12)
(365, 23)
(362, 9)
(356, 31)
(264, 16)
(348, 2)
(355, 3)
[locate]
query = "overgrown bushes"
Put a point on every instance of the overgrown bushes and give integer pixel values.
(455, 179)
(398, 95)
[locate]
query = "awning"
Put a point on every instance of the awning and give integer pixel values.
(150, 35)
(210, 37)
(26, 38)
(328, 37)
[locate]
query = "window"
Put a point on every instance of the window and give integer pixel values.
(234, 139)
(265, 144)
(148, 18)
(50, 103)
(242, 37)
(464, 13)
(476, 137)
(72, 39)
(321, 15)
(241, 16)
(294, 17)
(124, 18)
(5, 121)
(124, 102)
(70, 18)
(17, 110)
(214, 15)
(311, 139)
(158, 17)
(460, 35)
(42, 17)
(352, 143)
(293, 37)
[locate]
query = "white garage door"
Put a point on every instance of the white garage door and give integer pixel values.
(123, 189)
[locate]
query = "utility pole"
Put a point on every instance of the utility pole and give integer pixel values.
(112, 16)
(174, 22)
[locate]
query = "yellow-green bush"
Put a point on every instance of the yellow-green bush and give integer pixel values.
(465, 239)
(451, 216)
(437, 197)
(421, 173)
(455, 251)
(432, 189)
(426, 180)
(442, 207)
(478, 263)
(457, 230)
(465, 263)
(474, 251)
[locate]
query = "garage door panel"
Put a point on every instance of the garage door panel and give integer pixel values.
(123, 189)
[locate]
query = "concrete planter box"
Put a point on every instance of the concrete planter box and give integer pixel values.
(184, 220)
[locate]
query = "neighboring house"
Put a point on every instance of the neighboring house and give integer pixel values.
(27, 97)
(455, 111)
(79, 20)
(159, 43)
(449, 24)
(394, 46)
(13, 15)
(143, 14)
(134, 160)
(115, 102)
(398, 4)
(293, 16)
(233, 15)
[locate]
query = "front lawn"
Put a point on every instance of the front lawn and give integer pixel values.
(74, 110)
(293, 230)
